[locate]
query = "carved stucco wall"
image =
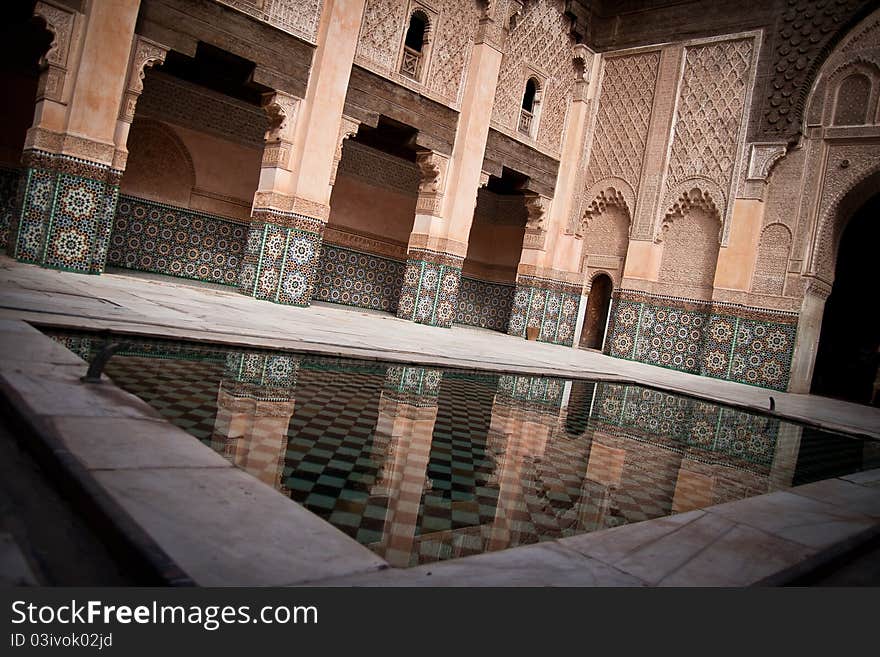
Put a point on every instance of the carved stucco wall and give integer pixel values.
(170, 99)
(772, 260)
(798, 44)
(617, 148)
(606, 239)
(297, 17)
(690, 253)
(159, 166)
(540, 45)
(709, 122)
(837, 159)
(454, 24)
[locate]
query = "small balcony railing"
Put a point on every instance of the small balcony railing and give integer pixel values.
(525, 121)
(411, 64)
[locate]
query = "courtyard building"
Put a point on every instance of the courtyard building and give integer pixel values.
(693, 185)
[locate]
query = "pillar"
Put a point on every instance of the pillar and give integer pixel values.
(404, 430)
(254, 406)
(292, 202)
(448, 192)
(549, 285)
(71, 162)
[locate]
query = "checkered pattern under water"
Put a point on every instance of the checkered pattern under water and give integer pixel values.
(430, 473)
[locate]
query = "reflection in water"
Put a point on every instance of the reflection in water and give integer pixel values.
(423, 464)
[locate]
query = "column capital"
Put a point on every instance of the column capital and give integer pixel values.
(537, 207)
(348, 128)
(281, 109)
(432, 186)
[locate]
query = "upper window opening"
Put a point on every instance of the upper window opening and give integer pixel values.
(528, 103)
(415, 34)
(414, 46)
(527, 118)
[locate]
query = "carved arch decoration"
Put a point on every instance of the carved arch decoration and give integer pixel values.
(159, 164)
(614, 276)
(700, 193)
(611, 191)
(851, 167)
(145, 53)
(857, 52)
(61, 23)
(771, 265)
(849, 196)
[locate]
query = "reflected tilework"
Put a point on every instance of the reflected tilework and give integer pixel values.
(549, 306)
(66, 212)
(535, 391)
(9, 202)
(155, 237)
(710, 432)
(421, 464)
(260, 375)
(281, 259)
(358, 279)
(747, 345)
(418, 386)
(430, 288)
(484, 304)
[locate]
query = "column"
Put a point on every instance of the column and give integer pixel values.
(404, 430)
(255, 402)
(549, 284)
(72, 166)
(291, 205)
(445, 210)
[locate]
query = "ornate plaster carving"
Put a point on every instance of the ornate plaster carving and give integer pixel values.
(281, 108)
(60, 21)
(144, 53)
(692, 193)
(762, 157)
(347, 128)
(432, 166)
(709, 122)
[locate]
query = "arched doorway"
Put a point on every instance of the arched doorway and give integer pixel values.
(598, 304)
(849, 345)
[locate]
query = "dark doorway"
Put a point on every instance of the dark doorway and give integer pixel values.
(847, 358)
(598, 303)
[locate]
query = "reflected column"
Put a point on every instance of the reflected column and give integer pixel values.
(254, 405)
(407, 413)
(524, 413)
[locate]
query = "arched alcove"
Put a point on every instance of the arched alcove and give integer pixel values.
(848, 353)
(159, 165)
(596, 318)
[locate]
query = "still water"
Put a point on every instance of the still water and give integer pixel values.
(422, 464)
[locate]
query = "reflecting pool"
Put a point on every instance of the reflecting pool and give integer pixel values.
(422, 464)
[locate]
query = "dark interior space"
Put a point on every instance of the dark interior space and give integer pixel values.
(24, 39)
(848, 358)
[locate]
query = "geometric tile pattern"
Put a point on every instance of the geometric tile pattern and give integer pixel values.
(66, 213)
(430, 288)
(183, 391)
(418, 386)
(550, 306)
(155, 237)
(724, 341)
(9, 178)
(484, 304)
(260, 375)
(539, 392)
(708, 432)
(281, 260)
(358, 279)
(421, 464)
